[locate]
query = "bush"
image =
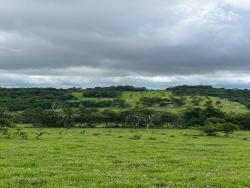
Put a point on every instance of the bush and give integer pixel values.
(4, 118)
(136, 137)
(212, 129)
(229, 128)
(151, 138)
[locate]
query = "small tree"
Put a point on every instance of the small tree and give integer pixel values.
(229, 128)
(211, 129)
(149, 119)
(69, 116)
(39, 134)
(4, 119)
(133, 120)
(214, 125)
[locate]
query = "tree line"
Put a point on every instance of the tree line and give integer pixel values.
(109, 92)
(137, 118)
(18, 99)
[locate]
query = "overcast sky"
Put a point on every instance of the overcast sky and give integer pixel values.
(152, 43)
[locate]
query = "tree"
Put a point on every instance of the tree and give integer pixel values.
(211, 111)
(133, 120)
(229, 128)
(193, 117)
(4, 119)
(242, 120)
(211, 129)
(109, 116)
(199, 116)
(32, 116)
(149, 119)
(50, 118)
(69, 115)
(168, 118)
(216, 125)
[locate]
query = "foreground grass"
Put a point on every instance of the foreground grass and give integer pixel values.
(111, 158)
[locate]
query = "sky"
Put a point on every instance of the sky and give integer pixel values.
(151, 43)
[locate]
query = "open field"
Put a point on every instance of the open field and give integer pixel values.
(112, 158)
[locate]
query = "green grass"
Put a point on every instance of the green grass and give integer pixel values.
(110, 158)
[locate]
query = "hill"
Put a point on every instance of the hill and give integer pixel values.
(171, 100)
(120, 98)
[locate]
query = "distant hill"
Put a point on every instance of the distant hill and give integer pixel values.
(237, 95)
(175, 99)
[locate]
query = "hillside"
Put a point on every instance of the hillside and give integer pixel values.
(133, 99)
(126, 97)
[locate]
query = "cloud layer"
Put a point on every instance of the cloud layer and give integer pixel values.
(151, 43)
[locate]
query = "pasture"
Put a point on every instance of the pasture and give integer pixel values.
(123, 158)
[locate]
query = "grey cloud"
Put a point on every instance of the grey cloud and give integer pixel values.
(122, 39)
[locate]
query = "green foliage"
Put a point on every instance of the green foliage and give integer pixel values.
(23, 135)
(211, 129)
(198, 117)
(216, 125)
(136, 135)
(162, 102)
(69, 117)
(229, 128)
(104, 103)
(134, 118)
(108, 92)
(237, 95)
(242, 120)
(152, 108)
(39, 134)
(16, 99)
(4, 130)
(4, 118)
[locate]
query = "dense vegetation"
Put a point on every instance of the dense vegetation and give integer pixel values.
(109, 92)
(17, 99)
(238, 95)
(125, 106)
(134, 118)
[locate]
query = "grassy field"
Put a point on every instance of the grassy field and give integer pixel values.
(112, 158)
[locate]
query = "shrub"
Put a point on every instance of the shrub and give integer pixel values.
(4, 118)
(212, 128)
(24, 135)
(229, 128)
(4, 130)
(152, 138)
(136, 136)
(39, 134)
(83, 132)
